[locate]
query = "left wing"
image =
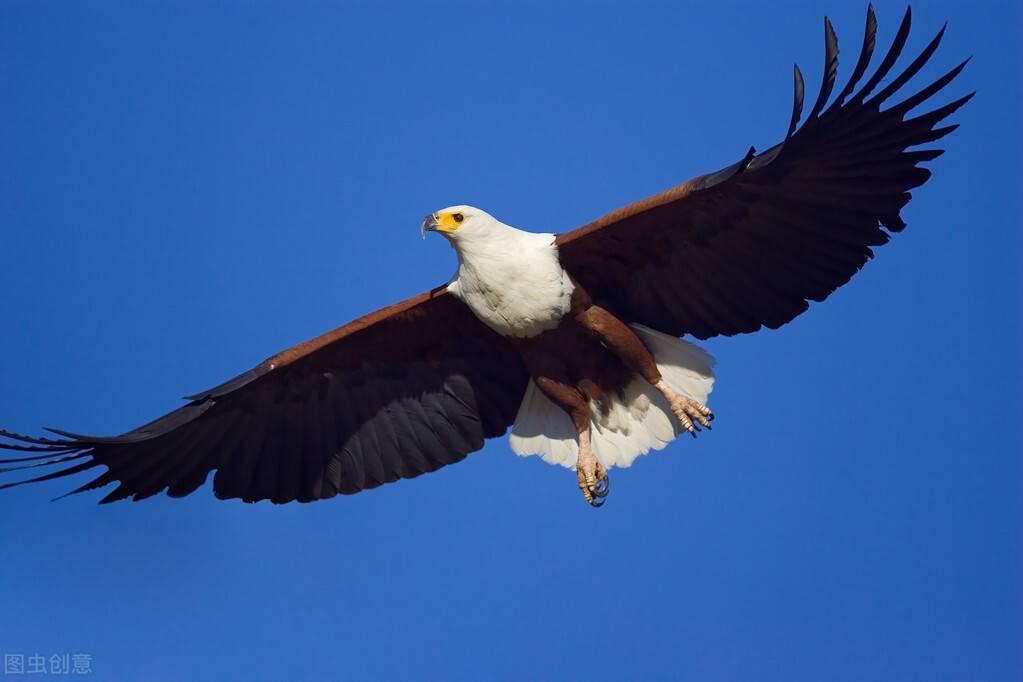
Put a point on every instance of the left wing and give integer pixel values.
(750, 245)
(395, 394)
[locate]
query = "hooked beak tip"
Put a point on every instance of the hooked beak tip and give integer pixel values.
(429, 224)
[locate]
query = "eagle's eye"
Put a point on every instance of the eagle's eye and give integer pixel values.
(458, 217)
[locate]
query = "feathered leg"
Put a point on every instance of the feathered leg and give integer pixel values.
(552, 379)
(624, 343)
(592, 476)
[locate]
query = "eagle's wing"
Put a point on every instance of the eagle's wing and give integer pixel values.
(750, 245)
(397, 393)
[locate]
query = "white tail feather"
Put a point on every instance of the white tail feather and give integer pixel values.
(626, 425)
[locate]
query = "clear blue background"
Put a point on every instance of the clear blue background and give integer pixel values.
(186, 189)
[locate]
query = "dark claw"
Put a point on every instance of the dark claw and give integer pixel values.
(603, 488)
(598, 502)
(708, 427)
(693, 434)
(710, 417)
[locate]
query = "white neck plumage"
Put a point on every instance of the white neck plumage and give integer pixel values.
(511, 279)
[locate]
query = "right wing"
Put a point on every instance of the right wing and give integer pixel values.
(750, 245)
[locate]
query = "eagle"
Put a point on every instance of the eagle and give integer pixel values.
(571, 340)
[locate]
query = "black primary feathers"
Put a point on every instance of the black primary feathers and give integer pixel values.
(751, 245)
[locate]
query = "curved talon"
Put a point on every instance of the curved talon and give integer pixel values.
(693, 434)
(603, 487)
(598, 502)
(710, 417)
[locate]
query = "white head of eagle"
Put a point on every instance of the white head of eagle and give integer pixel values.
(512, 280)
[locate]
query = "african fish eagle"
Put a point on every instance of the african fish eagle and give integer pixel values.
(572, 340)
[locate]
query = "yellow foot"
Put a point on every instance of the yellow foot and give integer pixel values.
(690, 413)
(593, 478)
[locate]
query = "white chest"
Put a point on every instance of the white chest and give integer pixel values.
(517, 287)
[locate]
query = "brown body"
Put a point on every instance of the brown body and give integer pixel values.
(605, 356)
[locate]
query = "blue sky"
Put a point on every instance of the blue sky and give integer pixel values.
(186, 189)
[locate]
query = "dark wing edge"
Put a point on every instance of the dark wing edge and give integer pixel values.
(394, 394)
(748, 246)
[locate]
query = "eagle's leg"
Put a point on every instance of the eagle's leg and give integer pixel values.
(620, 338)
(592, 475)
(689, 412)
